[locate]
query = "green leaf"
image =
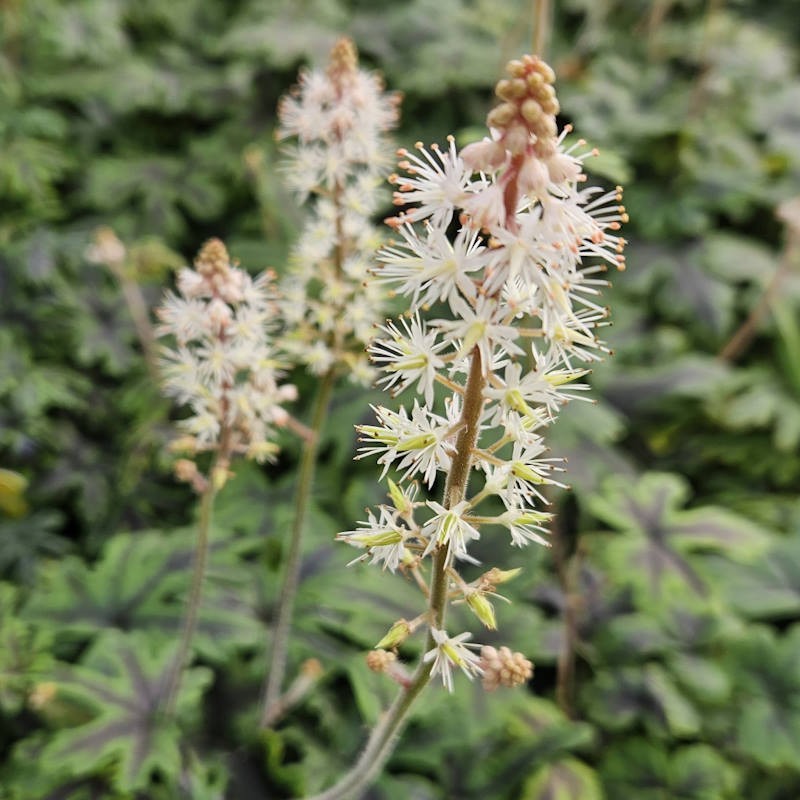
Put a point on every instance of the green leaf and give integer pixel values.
(29, 170)
(699, 298)
(102, 326)
(122, 684)
(24, 653)
(648, 695)
(738, 258)
(629, 636)
(701, 772)
(759, 398)
(25, 542)
(357, 604)
(512, 730)
(641, 770)
(286, 30)
(788, 342)
(140, 583)
(767, 695)
(652, 549)
(156, 186)
(584, 437)
(768, 588)
(563, 780)
(22, 776)
(703, 678)
(689, 376)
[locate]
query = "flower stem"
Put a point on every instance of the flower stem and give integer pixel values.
(385, 734)
(283, 623)
(137, 308)
(740, 340)
(541, 32)
(193, 603)
(565, 569)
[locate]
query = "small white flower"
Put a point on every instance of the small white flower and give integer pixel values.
(381, 536)
(526, 470)
(535, 396)
(452, 652)
(436, 183)
(419, 443)
(481, 326)
(408, 355)
(525, 526)
(433, 268)
(317, 357)
(448, 527)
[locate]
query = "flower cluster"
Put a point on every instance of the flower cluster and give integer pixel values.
(506, 242)
(338, 119)
(222, 363)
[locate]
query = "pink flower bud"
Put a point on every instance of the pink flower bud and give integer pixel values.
(485, 156)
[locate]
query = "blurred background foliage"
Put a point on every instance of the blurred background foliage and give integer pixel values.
(664, 619)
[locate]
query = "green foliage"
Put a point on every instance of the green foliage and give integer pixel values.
(767, 685)
(122, 683)
(674, 585)
(638, 769)
(24, 653)
(652, 549)
(139, 584)
(565, 780)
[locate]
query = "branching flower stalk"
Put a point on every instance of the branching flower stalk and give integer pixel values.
(223, 367)
(338, 119)
(520, 278)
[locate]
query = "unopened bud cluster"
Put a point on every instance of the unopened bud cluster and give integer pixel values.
(505, 242)
(222, 365)
(503, 668)
(338, 119)
(529, 107)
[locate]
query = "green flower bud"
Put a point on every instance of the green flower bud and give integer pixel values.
(482, 609)
(497, 576)
(399, 500)
(397, 634)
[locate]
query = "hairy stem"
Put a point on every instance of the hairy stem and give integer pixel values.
(195, 592)
(283, 623)
(385, 734)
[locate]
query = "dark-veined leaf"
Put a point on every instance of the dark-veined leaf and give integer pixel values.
(618, 699)
(122, 684)
(140, 583)
(652, 549)
(563, 780)
(688, 376)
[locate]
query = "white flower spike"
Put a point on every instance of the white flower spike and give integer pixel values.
(499, 250)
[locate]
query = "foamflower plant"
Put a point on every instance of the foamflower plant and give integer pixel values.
(219, 362)
(500, 249)
(335, 122)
